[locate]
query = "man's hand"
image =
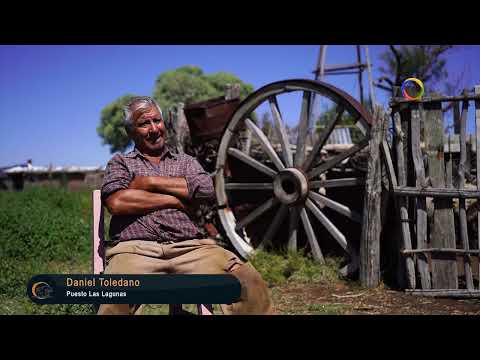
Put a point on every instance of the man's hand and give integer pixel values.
(141, 183)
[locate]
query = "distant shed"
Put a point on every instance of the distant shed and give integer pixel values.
(69, 177)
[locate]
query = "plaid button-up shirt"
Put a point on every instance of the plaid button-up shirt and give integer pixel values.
(161, 225)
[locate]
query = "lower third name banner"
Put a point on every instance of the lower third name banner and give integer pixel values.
(133, 289)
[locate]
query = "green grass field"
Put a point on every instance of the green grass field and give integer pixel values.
(47, 230)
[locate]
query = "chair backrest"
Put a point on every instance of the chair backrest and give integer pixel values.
(98, 250)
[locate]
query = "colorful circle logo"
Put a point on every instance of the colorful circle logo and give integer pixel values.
(417, 83)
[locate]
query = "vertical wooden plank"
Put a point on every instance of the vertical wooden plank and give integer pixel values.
(232, 91)
(391, 235)
(461, 185)
(98, 250)
(402, 201)
(171, 139)
(444, 266)
(371, 227)
(370, 81)
(360, 72)
(477, 154)
(181, 128)
(421, 205)
(448, 164)
(456, 117)
(406, 119)
(389, 178)
(468, 157)
(177, 128)
(321, 63)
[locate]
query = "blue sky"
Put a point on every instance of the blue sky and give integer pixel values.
(51, 96)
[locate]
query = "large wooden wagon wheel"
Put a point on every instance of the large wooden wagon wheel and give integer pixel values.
(285, 183)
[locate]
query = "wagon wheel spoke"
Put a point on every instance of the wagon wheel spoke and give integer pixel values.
(247, 159)
(249, 186)
(303, 128)
(334, 183)
(332, 229)
(281, 132)
(265, 143)
(335, 160)
(312, 239)
(323, 137)
(274, 226)
(256, 213)
(293, 229)
(336, 206)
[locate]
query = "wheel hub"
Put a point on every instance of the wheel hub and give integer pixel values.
(290, 186)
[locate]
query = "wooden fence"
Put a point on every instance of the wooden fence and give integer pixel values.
(433, 187)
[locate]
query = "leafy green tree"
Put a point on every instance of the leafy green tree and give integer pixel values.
(187, 84)
(111, 128)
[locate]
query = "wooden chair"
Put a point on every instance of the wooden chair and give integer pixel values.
(98, 254)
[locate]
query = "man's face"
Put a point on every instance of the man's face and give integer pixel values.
(149, 132)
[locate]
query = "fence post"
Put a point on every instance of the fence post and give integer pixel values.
(401, 138)
(477, 168)
(461, 186)
(371, 227)
(444, 266)
(417, 120)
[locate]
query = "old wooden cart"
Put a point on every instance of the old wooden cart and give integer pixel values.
(275, 189)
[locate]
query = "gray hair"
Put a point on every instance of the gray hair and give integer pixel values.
(138, 104)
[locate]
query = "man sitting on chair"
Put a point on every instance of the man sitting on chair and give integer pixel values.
(149, 193)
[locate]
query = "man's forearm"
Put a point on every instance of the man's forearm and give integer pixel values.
(140, 202)
(175, 186)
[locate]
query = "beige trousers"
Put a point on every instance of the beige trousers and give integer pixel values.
(201, 256)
